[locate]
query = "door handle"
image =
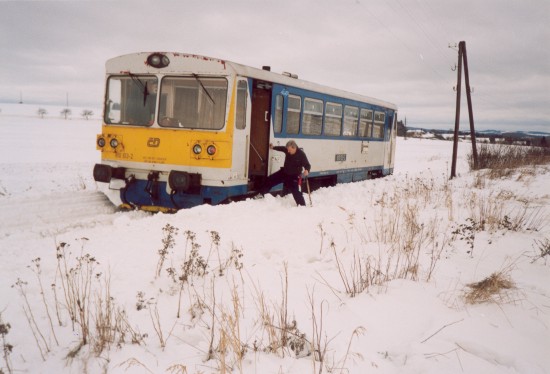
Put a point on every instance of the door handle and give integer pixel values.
(266, 115)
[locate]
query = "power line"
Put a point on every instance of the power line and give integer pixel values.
(413, 52)
(433, 43)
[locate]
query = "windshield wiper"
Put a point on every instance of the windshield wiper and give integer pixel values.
(204, 88)
(140, 84)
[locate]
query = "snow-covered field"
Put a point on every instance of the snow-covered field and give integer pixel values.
(370, 279)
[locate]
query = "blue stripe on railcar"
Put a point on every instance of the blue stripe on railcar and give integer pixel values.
(136, 194)
(279, 89)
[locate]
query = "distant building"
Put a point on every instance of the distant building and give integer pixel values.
(415, 133)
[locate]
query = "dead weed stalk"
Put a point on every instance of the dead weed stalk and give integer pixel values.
(7, 348)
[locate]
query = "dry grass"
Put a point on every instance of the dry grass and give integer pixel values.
(498, 210)
(543, 248)
(5, 346)
(282, 333)
(493, 289)
(400, 242)
(501, 159)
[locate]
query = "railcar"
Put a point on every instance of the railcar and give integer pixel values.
(180, 130)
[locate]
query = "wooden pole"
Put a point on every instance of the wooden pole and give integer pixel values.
(470, 110)
(457, 115)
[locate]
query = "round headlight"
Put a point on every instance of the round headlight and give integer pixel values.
(197, 149)
(155, 60)
(101, 142)
(211, 150)
(114, 143)
(158, 60)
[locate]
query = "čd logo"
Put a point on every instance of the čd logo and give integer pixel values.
(153, 142)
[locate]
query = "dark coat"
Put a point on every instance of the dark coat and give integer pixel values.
(294, 163)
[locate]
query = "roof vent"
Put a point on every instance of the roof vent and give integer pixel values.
(290, 75)
(266, 68)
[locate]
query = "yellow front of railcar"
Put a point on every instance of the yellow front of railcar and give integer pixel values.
(168, 130)
(172, 148)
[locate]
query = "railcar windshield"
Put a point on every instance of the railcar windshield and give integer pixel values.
(131, 100)
(193, 102)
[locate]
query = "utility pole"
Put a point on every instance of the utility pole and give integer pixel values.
(457, 112)
(462, 56)
(470, 109)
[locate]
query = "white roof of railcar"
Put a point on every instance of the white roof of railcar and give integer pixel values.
(189, 63)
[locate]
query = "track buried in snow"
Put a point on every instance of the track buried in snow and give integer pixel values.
(54, 213)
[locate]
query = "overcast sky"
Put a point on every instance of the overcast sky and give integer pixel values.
(394, 50)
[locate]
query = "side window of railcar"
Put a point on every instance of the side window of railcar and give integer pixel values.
(351, 119)
(193, 102)
(241, 104)
(379, 120)
(365, 123)
(131, 100)
(278, 123)
(312, 123)
(333, 119)
(293, 114)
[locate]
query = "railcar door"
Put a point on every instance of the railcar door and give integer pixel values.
(259, 131)
(389, 143)
(393, 140)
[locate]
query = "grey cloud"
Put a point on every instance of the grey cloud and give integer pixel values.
(393, 50)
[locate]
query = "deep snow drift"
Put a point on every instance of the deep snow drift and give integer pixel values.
(370, 279)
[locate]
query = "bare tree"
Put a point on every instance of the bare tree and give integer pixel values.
(87, 113)
(66, 112)
(42, 112)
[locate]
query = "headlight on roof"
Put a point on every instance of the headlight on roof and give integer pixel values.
(158, 60)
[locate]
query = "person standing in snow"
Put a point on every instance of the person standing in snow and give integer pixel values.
(295, 162)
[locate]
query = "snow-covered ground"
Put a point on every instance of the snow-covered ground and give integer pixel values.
(371, 278)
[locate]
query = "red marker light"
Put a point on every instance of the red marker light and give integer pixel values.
(211, 150)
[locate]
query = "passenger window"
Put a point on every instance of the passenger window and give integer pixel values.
(351, 119)
(333, 119)
(312, 123)
(379, 120)
(293, 114)
(242, 96)
(278, 124)
(365, 123)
